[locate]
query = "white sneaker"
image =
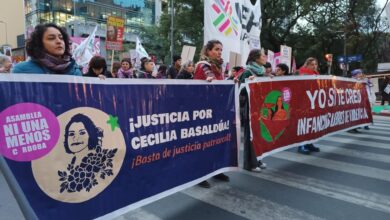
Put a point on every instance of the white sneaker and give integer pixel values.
(262, 165)
(256, 170)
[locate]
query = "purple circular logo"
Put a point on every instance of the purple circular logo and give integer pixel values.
(28, 131)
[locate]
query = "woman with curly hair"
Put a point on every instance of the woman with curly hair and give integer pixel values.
(49, 49)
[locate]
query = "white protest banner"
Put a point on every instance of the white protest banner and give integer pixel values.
(285, 55)
(270, 59)
(234, 59)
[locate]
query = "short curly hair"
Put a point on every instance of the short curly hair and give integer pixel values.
(34, 45)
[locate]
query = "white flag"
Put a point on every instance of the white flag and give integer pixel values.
(84, 52)
(140, 49)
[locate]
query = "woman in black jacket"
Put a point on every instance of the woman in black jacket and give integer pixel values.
(146, 70)
(186, 71)
(385, 92)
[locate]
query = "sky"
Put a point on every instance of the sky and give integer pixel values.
(381, 3)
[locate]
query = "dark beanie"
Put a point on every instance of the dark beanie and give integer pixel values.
(176, 58)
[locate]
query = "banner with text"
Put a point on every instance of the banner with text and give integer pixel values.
(81, 148)
(289, 111)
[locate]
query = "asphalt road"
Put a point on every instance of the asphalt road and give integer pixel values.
(348, 179)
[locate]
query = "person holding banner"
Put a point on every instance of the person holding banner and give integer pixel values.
(254, 65)
(359, 75)
(49, 49)
(310, 67)
(209, 68)
(385, 90)
(255, 68)
(210, 65)
(98, 68)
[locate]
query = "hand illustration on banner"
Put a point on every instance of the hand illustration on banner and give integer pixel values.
(86, 159)
(275, 115)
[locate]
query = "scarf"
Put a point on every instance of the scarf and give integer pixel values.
(256, 69)
(58, 65)
(214, 62)
(126, 74)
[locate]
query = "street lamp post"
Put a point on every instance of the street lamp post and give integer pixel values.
(172, 41)
(345, 55)
(6, 31)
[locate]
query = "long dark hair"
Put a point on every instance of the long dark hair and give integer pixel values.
(276, 107)
(253, 56)
(34, 45)
(95, 133)
(97, 62)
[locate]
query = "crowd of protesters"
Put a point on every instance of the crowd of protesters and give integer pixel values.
(49, 52)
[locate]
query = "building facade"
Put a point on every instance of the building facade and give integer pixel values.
(11, 23)
(79, 15)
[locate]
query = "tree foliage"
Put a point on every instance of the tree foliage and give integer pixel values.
(311, 27)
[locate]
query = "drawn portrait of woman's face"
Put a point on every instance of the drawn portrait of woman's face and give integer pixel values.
(86, 144)
(77, 137)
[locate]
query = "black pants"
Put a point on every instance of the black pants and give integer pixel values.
(385, 98)
(250, 160)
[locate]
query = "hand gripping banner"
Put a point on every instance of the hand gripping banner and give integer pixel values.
(289, 111)
(82, 148)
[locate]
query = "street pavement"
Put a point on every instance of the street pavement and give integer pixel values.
(348, 179)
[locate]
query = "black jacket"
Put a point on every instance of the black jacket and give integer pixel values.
(184, 75)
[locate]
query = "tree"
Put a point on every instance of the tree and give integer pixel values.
(310, 27)
(188, 26)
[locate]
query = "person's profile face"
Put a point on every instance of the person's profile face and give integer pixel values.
(149, 66)
(262, 59)
(279, 71)
(53, 42)
(77, 137)
(215, 52)
(313, 66)
(111, 33)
